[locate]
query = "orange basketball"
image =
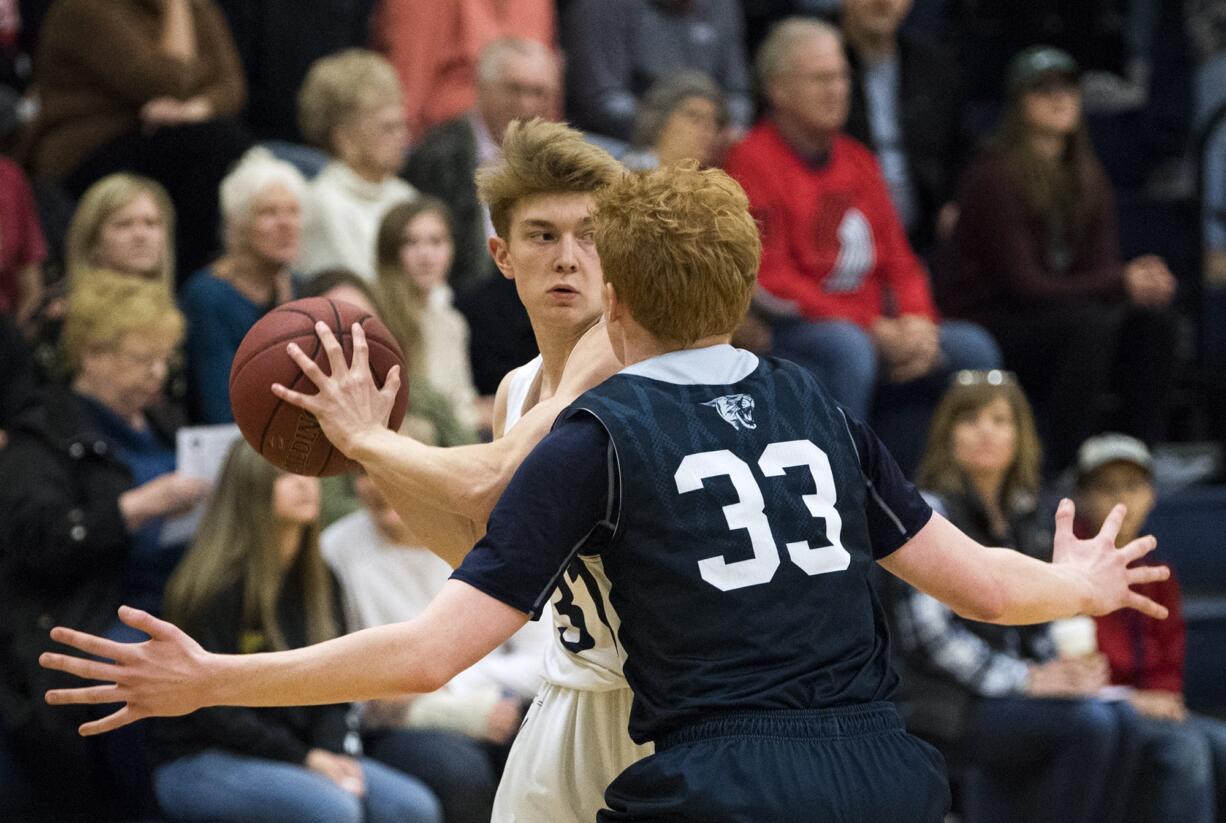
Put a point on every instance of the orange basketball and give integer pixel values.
(284, 434)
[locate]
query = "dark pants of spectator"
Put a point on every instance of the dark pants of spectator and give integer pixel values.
(1050, 761)
(17, 801)
(1184, 770)
(844, 356)
(190, 161)
(1069, 355)
(455, 767)
(216, 786)
(51, 785)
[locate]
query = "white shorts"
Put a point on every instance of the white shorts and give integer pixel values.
(570, 747)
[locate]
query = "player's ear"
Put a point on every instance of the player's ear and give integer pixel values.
(612, 308)
(502, 256)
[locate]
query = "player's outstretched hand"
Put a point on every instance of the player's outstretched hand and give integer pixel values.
(162, 677)
(348, 404)
(1104, 568)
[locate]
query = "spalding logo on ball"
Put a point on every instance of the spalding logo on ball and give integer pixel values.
(284, 434)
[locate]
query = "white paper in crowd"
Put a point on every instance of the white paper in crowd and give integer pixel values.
(199, 452)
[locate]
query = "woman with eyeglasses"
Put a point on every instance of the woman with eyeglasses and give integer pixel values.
(1036, 259)
(682, 117)
(89, 480)
(1023, 724)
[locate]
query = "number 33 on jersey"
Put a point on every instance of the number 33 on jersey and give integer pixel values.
(749, 512)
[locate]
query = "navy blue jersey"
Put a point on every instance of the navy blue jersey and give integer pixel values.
(736, 517)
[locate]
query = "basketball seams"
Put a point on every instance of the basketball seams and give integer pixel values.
(308, 315)
(336, 314)
(268, 363)
(236, 369)
(276, 409)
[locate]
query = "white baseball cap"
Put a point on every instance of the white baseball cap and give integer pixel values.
(1112, 447)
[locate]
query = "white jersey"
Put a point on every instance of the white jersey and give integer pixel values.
(574, 739)
(587, 654)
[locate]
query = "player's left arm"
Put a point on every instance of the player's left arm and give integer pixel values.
(171, 675)
(999, 585)
(996, 585)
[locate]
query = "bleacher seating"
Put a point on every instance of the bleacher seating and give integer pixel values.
(1191, 530)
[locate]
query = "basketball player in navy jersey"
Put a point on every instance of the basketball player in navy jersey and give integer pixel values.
(735, 512)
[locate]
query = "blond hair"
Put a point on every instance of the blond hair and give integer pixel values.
(680, 249)
(940, 472)
(239, 540)
(106, 306)
(340, 86)
(99, 203)
(540, 157)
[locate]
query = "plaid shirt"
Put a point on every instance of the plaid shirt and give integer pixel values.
(959, 649)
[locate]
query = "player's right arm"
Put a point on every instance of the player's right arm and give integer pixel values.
(555, 502)
(444, 495)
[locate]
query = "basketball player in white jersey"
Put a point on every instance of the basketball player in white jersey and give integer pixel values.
(574, 738)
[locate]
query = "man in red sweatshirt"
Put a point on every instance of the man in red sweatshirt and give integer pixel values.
(1147, 656)
(850, 299)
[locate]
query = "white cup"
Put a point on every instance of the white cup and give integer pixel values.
(1075, 637)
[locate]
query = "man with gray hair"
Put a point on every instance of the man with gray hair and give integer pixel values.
(516, 79)
(851, 299)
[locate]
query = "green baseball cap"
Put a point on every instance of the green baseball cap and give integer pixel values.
(1037, 62)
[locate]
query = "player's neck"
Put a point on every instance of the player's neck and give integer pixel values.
(639, 347)
(806, 142)
(252, 277)
(555, 345)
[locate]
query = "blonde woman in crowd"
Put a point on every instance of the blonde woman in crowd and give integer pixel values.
(124, 223)
(89, 479)
(351, 107)
(414, 251)
(261, 205)
(254, 581)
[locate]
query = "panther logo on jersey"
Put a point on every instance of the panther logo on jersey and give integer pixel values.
(736, 409)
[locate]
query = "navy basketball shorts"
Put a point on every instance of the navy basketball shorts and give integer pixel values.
(854, 764)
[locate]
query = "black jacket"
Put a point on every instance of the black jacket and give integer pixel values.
(935, 704)
(63, 556)
(278, 41)
(443, 165)
(284, 734)
(936, 137)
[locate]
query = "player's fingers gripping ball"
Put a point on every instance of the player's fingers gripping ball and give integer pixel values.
(289, 437)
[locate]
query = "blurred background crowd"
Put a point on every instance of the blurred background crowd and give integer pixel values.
(996, 230)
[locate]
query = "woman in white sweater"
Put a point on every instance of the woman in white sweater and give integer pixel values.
(351, 106)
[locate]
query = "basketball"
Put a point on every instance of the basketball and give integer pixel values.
(287, 436)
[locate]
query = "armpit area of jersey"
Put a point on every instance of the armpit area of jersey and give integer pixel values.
(895, 509)
(556, 502)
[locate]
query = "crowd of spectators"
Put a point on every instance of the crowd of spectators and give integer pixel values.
(941, 246)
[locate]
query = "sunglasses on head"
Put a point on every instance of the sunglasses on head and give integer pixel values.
(981, 377)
